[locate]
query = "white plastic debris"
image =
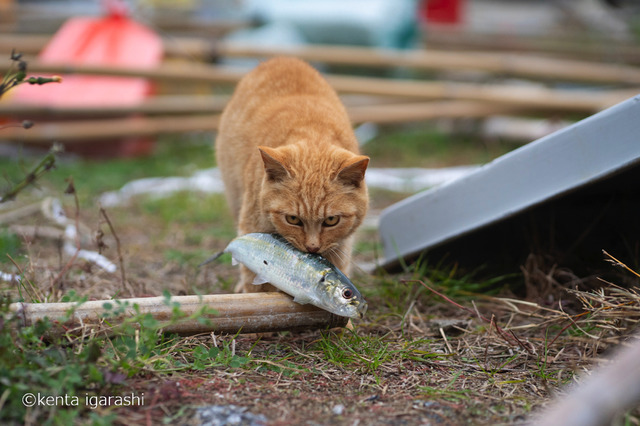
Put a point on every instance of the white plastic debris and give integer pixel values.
(9, 277)
(209, 181)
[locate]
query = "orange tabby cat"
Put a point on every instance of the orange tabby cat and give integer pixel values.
(290, 164)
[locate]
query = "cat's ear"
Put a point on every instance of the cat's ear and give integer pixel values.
(273, 166)
(352, 173)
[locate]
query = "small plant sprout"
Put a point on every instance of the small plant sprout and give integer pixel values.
(15, 77)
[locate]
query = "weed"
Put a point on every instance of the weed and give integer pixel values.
(68, 374)
(10, 245)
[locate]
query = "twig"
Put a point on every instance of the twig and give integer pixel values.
(103, 212)
(616, 262)
(70, 190)
(34, 295)
(46, 164)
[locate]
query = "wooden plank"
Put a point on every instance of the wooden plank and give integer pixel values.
(550, 167)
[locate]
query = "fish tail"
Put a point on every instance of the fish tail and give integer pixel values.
(211, 259)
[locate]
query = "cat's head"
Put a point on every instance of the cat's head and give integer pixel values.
(314, 199)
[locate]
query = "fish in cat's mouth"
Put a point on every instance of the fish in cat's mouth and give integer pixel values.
(308, 277)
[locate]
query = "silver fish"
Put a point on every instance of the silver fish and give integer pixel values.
(308, 277)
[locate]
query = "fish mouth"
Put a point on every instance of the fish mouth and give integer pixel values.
(362, 309)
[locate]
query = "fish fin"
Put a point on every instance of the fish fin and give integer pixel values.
(302, 300)
(259, 280)
(234, 262)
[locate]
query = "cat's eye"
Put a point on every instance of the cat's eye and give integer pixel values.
(293, 220)
(331, 221)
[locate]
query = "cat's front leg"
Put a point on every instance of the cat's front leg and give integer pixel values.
(246, 278)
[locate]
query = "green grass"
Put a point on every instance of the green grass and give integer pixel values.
(447, 393)
(65, 366)
(173, 156)
(189, 209)
(10, 245)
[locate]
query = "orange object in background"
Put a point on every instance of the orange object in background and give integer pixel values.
(113, 40)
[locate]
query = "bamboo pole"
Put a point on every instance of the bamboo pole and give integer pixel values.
(422, 111)
(192, 73)
(534, 97)
(87, 131)
(166, 104)
(517, 64)
(158, 105)
(235, 313)
(440, 60)
(518, 95)
(579, 47)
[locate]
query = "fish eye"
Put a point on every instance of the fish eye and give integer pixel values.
(331, 221)
(347, 294)
(293, 220)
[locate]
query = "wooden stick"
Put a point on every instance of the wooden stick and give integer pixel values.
(236, 313)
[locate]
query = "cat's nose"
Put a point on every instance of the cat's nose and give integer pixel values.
(312, 249)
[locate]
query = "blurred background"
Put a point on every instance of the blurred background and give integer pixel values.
(496, 70)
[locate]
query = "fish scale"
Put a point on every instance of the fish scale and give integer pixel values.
(308, 277)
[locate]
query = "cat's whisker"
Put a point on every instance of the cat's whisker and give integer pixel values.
(338, 252)
(344, 255)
